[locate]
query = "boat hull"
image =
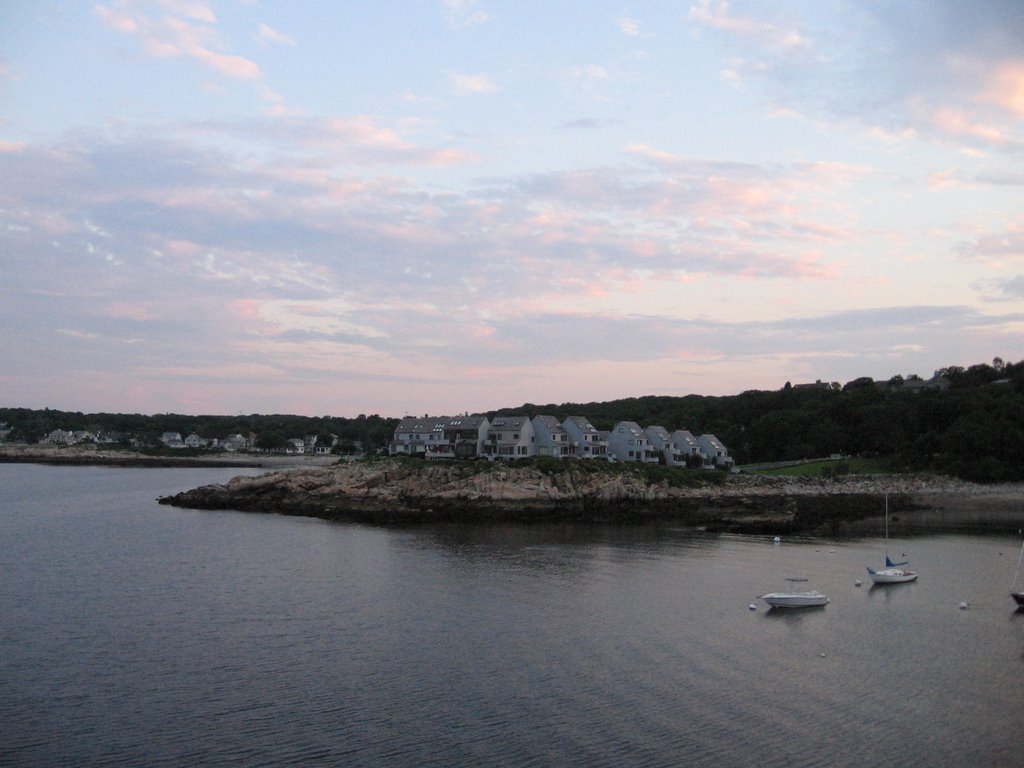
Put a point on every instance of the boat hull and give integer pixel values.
(795, 599)
(1018, 598)
(891, 575)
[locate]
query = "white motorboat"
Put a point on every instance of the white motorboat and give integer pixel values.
(812, 599)
(892, 573)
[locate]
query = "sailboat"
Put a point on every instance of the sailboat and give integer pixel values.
(893, 573)
(1015, 593)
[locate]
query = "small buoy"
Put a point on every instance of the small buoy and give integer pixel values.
(856, 583)
(777, 539)
(822, 655)
(752, 607)
(831, 551)
(963, 606)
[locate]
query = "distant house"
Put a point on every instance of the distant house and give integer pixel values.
(661, 441)
(413, 435)
(462, 438)
(509, 437)
(687, 445)
(295, 445)
(195, 441)
(58, 437)
(440, 437)
(717, 453)
(234, 443)
(172, 440)
(551, 437)
(628, 442)
(585, 440)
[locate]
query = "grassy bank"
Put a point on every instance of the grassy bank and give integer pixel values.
(822, 468)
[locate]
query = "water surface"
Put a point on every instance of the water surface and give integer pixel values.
(138, 634)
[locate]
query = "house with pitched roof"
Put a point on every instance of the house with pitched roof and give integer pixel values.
(585, 439)
(717, 453)
(628, 442)
(415, 434)
(510, 437)
(551, 437)
(463, 438)
(686, 444)
(661, 441)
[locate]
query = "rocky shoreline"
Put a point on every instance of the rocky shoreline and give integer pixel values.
(394, 492)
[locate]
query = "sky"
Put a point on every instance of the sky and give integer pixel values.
(447, 206)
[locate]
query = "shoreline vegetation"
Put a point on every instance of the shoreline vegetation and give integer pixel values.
(403, 491)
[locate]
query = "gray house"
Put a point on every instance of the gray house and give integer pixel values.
(627, 442)
(586, 442)
(462, 437)
(687, 445)
(717, 453)
(661, 441)
(551, 437)
(510, 437)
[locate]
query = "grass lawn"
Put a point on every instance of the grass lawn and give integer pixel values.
(826, 467)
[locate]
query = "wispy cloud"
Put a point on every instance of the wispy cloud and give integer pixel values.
(478, 83)
(267, 34)
(172, 29)
(628, 26)
(718, 14)
(464, 13)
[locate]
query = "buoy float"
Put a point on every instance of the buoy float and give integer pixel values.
(777, 539)
(752, 607)
(856, 583)
(963, 606)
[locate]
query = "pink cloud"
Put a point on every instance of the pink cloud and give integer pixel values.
(957, 123)
(184, 29)
(718, 15)
(1006, 88)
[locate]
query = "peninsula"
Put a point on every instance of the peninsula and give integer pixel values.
(393, 491)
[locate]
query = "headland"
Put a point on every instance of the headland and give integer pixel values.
(409, 492)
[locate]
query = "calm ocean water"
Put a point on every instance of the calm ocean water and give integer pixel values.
(138, 635)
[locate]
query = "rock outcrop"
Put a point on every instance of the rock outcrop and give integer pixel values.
(386, 492)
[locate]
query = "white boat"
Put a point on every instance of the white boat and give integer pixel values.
(1015, 593)
(892, 573)
(810, 599)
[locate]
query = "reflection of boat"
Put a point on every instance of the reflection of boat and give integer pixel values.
(1018, 594)
(893, 573)
(811, 599)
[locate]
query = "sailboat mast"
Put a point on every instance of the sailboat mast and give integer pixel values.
(887, 529)
(1017, 574)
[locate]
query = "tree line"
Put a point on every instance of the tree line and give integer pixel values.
(271, 431)
(972, 427)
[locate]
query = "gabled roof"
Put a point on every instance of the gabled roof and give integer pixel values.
(550, 422)
(629, 426)
(683, 435)
(583, 423)
(463, 422)
(713, 441)
(509, 422)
